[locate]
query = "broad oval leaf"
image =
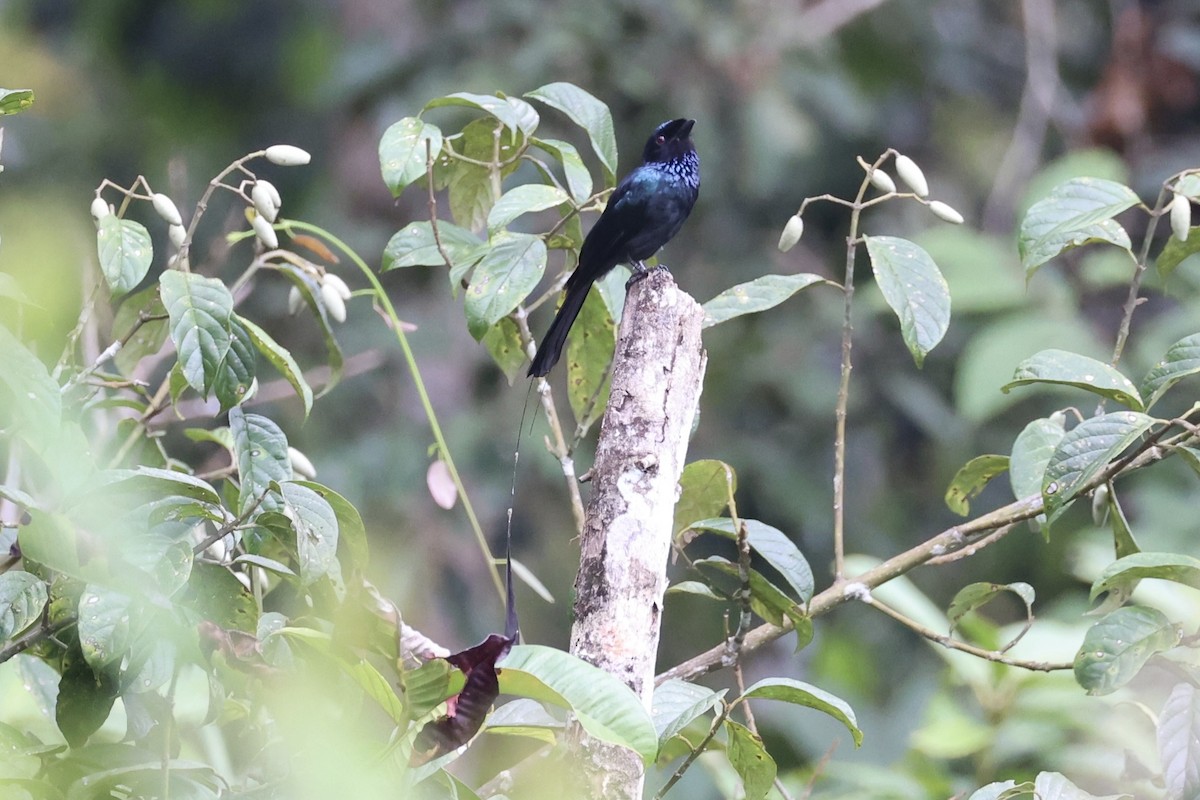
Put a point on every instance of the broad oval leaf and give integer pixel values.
(1075, 212)
(1116, 647)
(1179, 741)
(1072, 369)
(22, 598)
(316, 527)
(1123, 572)
(503, 343)
(757, 295)
(262, 457)
(513, 112)
(282, 360)
(971, 479)
(1181, 360)
(352, 533)
(606, 708)
(591, 342)
(200, 309)
(234, 378)
(1084, 451)
(579, 180)
(523, 199)
(1031, 452)
(1175, 251)
(705, 489)
(677, 703)
(976, 595)
(85, 698)
(403, 152)
(35, 400)
(588, 113)
(803, 694)
(750, 760)
(505, 276)
(415, 245)
(125, 252)
(914, 288)
(104, 626)
(774, 546)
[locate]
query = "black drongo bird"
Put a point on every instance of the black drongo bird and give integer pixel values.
(645, 210)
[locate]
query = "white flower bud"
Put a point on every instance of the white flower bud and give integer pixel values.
(165, 207)
(911, 174)
(266, 200)
(334, 303)
(286, 155)
(1181, 217)
(301, 465)
(882, 181)
(1100, 505)
(295, 300)
(176, 233)
(338, 285)
(264, 232)
(945, 212)
(792, 232)
(100, 209)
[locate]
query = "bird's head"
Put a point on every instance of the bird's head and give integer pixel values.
(669, 141)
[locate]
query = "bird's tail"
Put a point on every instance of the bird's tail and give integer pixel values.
(551, 348)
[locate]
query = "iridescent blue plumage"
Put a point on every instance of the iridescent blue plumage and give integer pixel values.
(645, 211)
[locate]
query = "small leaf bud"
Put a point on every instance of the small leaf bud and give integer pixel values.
(338, 285)
(266, 200)
(792, 232)
(176, 233)
(1181, 217)
(334, 303)
(100, 209)
(946, 212)
(286, 155)
(911, 174)
(882, 181)
(265, 233)
(165, 207)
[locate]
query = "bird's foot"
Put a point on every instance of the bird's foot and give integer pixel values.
(640, 271)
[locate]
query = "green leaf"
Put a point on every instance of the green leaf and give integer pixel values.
(235, 372)
(756, 295)
(766, 599)
(588, 113)
(976, 595)
(146, 484)
(505, 276)
(22, 598)
(1174, 252)
(403, 154)
(352, 533)
(697, 588)
(579, 180)
(915, 290)
(414, 245)
(282, 360)
(1084, 451)
(1031, 453)
(970, 480)
(514, 113)
(705, 489)
(125, 252)
(215, 594)
(776, 549)
(1000, 790)
(149, 337)
(803, 694)
(1116, 647)
(523, 717)
(200, 310)
(1181, 360)
(1125, 571)
(362, 672)
(1123, 541)
(750, 759)
(34, 401)
(1055, 786)
(104, 626)
(1076, 212)
(262, 457)
(523, 199)
(430, 684)
(677, 703)
(310, 291)
(591, 342)
(316, 527)
(1179, 741)
(14, 101)
(84, 700)
(1071, 369)
(605, 706)
(503, 343)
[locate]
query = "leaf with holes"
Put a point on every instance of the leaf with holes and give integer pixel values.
(1181, 360)
(971, 479)
(125, 252)
(588, 113)
(1076, 212)
(591, 342)
(200, 310)
(504, 277)
(1071, 369)
(1179, 741)
(1084, 451)
(914, 288)
(803, 694)
(1116, 647)
(262, 457)
(22, 598)
(404, 154)
(750, 760)
(757, 295)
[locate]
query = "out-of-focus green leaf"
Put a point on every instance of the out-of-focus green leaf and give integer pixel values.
(104, 626)
(403, 152)
(774, 546)
(84, 700)
(1072, 369)
(149, 337)
(971, 479)
(1055, 786)
(676, 703)
(1116, 647)
(1076, 212)
(430, 684)
(1181, 360)
(1001, 790)
(579, 180)
(1179, 741)
(588, 113)
(976, 595)
(750, 759)
(504, 277)
(515, 113)
(705, 488)
(22, 598)
(1175, 567)
(14, 101)
(914, 288)
(1174, 252)
(803, 694)
(523, 199)
(282, 360)
(591, 342)
(1084, 451)
(756, 295)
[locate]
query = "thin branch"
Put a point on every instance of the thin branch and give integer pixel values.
(718, 720)
(967, 552)
(1132, 301)
(34, 635)
(733, 644)
(111, 351)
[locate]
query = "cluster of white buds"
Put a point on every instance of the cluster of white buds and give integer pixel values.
(1181, 216)
(334, 294)
(266, 199)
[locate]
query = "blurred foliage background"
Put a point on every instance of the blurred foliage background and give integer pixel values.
(983, 95)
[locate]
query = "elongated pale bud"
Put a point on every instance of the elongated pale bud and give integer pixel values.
(265, 233)
(911, 174)
(100, 209)
(1100, 505)
(1181, 217)
(301, 465)
(295, 300)
(266, 200)
(166, 208)
(286, 155)
(882, 181)
(177, 233)
(334, 303)
(946, 212)
(338, 285)
(792, 232)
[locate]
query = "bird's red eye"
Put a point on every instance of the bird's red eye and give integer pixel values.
(660, 139)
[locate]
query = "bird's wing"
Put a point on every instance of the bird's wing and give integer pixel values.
(608, 240)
